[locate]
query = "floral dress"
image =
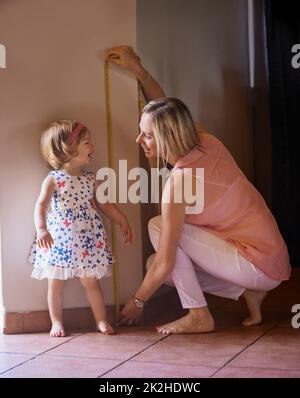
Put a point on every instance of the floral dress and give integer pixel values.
(80, 244)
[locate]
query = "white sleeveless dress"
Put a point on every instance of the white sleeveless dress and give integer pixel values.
(80, 245)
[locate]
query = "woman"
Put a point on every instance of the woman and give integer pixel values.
(231, 248)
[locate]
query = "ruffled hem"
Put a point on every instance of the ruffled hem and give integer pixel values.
(64, 273)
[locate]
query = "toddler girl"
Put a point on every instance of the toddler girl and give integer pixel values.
(71, 239)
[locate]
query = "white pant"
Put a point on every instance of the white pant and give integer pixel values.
(206, 263)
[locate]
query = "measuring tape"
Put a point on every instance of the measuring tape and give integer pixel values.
(116, 275)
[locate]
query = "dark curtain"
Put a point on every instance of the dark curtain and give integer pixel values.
(282, 32)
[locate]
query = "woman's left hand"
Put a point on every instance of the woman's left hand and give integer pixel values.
(130, 313)
(125, 57)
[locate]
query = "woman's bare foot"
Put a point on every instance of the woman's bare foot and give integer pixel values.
(105, 328)
(198, 320)
(254, 301)
(57, 329)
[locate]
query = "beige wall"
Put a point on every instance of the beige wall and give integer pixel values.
(198, 50)
(54, 71)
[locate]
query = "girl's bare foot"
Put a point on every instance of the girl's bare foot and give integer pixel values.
(105, 328)
(198, 320)
(57, 329)
(254, 301)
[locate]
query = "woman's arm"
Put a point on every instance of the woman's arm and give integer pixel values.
(44, 239)
(125, 57)
(172, 221)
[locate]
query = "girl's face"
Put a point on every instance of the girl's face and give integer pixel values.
(146, 137)
(85, 150)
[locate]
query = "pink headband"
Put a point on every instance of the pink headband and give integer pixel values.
(75, 132)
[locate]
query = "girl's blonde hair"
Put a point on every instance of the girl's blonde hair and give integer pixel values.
(55, 142)
(173, 127)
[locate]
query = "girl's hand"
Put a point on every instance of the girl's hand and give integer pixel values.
(130, 313)
(44, 239)
(125, 57)
(93, 204)
(126, 231)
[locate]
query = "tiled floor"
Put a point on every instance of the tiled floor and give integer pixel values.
(268, 350)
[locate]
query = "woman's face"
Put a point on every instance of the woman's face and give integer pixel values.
(146, 137)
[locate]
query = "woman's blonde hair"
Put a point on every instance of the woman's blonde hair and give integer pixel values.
(173, 127)
(55, 142)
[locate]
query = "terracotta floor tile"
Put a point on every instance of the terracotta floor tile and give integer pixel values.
(145, 333)
(281, 336)
(236, 372)
(30, 343)
(55, 367)
(96, 345)
(242, 336)
(271, 349)
(8, 361)
(287, 323)
(155, 370)
(210, 353)
(259, 330)
(278, 349)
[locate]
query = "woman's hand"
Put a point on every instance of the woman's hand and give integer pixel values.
(130, 313)
(44, 239)
(125, 57)
(126, 230)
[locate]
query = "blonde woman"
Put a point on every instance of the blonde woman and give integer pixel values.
(231, 248)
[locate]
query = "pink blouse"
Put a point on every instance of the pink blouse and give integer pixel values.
(234, 210)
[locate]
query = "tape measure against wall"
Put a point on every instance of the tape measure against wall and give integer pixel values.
(110, 149)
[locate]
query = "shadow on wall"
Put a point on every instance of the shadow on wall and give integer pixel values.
(228, 117)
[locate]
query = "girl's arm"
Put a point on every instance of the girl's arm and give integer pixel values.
(125, 57)
(114, 213)
(173, 215)
(44, 239)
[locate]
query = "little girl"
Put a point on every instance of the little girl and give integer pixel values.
(71, 239)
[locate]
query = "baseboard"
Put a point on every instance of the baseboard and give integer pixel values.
(76, 319)
(39, 321)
